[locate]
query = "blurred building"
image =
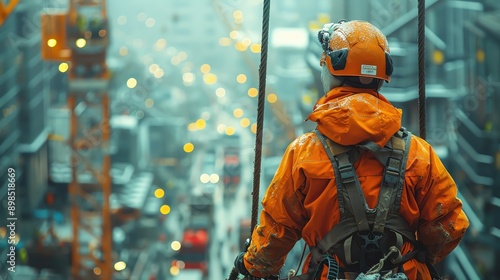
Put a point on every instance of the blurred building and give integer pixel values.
(23, 102)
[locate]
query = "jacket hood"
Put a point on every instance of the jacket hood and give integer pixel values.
(351, 116)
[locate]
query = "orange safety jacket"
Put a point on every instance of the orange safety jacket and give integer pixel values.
(301, 200)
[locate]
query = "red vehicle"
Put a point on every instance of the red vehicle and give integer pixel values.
(194, 249)
(195, 244)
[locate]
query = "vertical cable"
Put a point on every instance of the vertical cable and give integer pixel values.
(421, 67)
(260, 114)
(260, 122)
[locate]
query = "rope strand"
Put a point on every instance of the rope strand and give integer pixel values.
(260, 114)
(260, 121)
(421, 67)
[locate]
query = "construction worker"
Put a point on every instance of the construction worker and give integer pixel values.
(367, 196)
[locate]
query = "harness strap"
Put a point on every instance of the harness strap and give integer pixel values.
(351, 183)
(347, 175)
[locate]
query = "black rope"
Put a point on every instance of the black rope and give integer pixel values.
(260, 114)
(260, 122)
(421, 67)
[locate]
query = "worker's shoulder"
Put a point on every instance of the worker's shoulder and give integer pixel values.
(305, 139)
(420, 152)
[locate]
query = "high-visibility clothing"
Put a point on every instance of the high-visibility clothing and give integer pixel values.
(301, 200)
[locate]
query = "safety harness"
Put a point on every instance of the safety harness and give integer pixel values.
(366, 239)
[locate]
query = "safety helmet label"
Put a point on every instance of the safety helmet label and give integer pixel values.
(368, 69)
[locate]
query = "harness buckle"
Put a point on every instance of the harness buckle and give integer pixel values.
(371, 241)
(347, 174)
(392, 171)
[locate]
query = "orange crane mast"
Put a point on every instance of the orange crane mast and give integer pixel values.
(80, 37)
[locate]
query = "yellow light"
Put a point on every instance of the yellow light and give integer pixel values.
(245, 122)
(241, 78)
(160, 44)
(175, 60)
(201, 124)
(204, 178)
(175, 245)
(149, 103)
(237, 14)
(122, 20)
(188, 147)
(3, 232)
(240, 46)
(210, 78)
(205, 68)
(323, 18)
(220, 92)
(81, 42)
(238, 113)
(252, 92)
(188, 77)
(153, 67)
(131, 83)
(255, 48)
(121, 265)
(123, 51)
(272, 98)
(480, 55)
(214, 178)
(174, 270)
(159, 73)
(253, 128)
(150, 22)
(246, 42)
(182, 55)
(165, 209)
(159, 193)
(230, 130)
(51, 43)
(238, 17)
(221, 128)
(224, 41)
(438, 57)
(306, 99)
(97, 271)
(233, 34)
(192, 127)
(63, 67)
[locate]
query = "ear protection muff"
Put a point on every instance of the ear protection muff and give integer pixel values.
(388, 64)
(338, 58)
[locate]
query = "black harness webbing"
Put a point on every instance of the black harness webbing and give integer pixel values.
(356, 217)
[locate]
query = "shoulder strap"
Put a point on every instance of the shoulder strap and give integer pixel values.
(346, 176)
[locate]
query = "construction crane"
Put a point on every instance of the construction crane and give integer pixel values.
(6, 9)
(79, 39)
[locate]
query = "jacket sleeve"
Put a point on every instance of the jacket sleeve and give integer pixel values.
(442, 221)
(281, 221)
